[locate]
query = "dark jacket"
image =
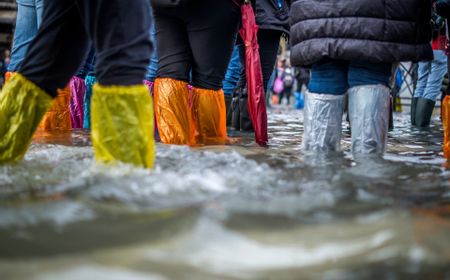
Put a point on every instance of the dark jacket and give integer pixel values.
(272, 14)
(443, 8)
(369, 30)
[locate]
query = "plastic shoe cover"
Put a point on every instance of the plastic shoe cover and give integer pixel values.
(22, 106)
(369, 117)
(446, 125)
(209, 116)
(122, 126)
(172, 112)
(322, 122)
(58, 117)
(77, 90)
(8, 76)
(89, 82)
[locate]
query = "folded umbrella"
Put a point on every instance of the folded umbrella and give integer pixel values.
(253, 72)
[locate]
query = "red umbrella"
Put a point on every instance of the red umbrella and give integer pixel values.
(256, 100)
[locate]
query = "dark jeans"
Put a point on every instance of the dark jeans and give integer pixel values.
(197, 39)
(269, 42)
(337, 76)
(119, 30)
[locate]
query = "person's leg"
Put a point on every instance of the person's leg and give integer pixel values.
(233, 73)
(77, 90)
(214, 23)
(152, 71)
(171, 85)
(426, 102)
(324, 106)
(58, 49)
(369, 102)
(269, 43)
(25, 31)
(230, 82)
(153, 66)
(423, 72)
(89, 81)
(122, 111)
(52, 58)
(39, 11)
(67, 35)
(212, 27)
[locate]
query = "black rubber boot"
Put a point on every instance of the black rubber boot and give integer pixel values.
(228, 99)
(245, 121)
(424, 110)
(235, 114)
(413, 110)
(391, 113)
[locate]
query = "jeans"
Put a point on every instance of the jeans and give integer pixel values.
(153, 67)
(195, 42)
(29, 17)
(118, 29)
(331, 76)
(431, 74)
(233, 73)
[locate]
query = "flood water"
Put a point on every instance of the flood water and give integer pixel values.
(229, 212)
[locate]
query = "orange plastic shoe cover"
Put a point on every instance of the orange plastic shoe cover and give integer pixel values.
(209, 116)
(446, 123)
(172, 111)
(58, 117)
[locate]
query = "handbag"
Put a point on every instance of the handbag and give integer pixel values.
(169, 3)
(278, 85)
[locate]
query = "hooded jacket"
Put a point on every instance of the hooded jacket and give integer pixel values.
(382, 31)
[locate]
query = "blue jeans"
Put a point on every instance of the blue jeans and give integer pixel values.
(335, 77)
(153, 67)
(431, 75)
(29, 17)
(233, 73)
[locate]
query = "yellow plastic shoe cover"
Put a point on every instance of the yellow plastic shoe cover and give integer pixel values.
(172, 112)
(58, 117)
(446, 125)
(22, 106)
(209, 116)
(122, 125)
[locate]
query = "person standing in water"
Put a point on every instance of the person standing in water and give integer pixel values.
(122, 117)
(351, 46)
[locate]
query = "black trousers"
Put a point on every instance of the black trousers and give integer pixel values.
(269, 43)
(195, 42)
(119, 30)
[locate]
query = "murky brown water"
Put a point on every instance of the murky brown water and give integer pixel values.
(231, 212)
